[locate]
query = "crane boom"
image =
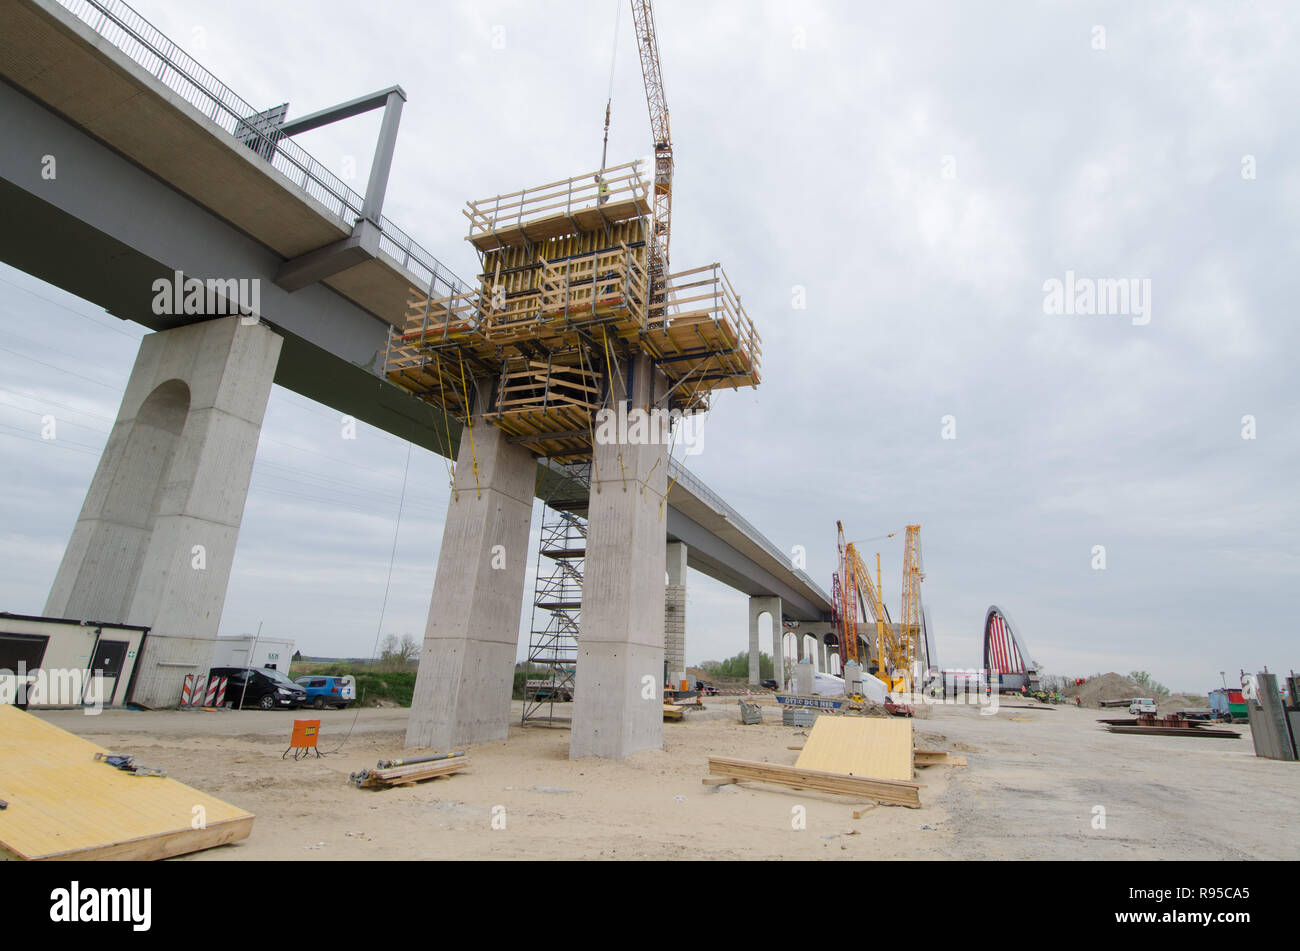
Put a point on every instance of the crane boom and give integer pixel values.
(652, 72)
(909, 630)
(896, 646)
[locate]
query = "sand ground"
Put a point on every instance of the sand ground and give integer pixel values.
(1033, 783)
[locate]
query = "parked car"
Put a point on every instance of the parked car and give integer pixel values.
(770, 685)
(325, 692)
(706, 689)
(1142, 705)
(260, 687)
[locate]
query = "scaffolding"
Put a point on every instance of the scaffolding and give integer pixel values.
(557, 601)
(569, 289)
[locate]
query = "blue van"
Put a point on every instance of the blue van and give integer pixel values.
(325, 692)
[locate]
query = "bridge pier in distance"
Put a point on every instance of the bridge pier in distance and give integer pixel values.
(155, 539)
(675, 613)
(758, 606)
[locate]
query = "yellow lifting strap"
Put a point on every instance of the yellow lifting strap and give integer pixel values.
(469, 424)
(609, 362)
(451, 452)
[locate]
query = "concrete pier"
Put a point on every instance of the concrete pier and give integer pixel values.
(462, 689)
(618, 700)
(155, 539)
(758, 606)
(675, 613)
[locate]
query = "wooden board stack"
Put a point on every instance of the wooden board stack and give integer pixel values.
(409, 774)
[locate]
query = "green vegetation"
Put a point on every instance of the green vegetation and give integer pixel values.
(375, 683)
(1143, 680)
(738, 667)
(525, 672)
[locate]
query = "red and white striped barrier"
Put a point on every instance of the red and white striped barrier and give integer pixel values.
(212, 692)
(221, 691)
(187, 691)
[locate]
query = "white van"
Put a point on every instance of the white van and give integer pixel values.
(1142, 705)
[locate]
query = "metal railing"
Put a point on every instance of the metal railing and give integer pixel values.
(677, 472)
(149, 48)
(606, 190)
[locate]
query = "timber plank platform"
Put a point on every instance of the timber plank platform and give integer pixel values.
(859, 746)
(63, 804)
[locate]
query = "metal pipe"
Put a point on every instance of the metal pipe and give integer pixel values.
(390, 763)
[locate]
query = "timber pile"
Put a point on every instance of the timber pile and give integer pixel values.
(887, 791)
(937, 758)
(409, 774)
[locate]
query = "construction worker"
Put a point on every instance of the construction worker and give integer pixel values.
(602, 190)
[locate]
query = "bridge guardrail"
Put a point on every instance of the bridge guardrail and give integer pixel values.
(149, 48)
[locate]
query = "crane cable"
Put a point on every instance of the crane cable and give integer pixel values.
(609, 101)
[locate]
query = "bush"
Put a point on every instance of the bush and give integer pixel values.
(738, 667)
(1143, 680)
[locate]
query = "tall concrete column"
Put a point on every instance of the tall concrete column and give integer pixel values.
(617, 703)
(463, 686)
(778, 648)
(155, 540)
(675, 613)
(821, 656)
(799, 647)
(758, 606)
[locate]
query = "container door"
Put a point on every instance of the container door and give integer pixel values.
(108, 662)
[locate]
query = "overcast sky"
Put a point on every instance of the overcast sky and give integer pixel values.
(918, 173)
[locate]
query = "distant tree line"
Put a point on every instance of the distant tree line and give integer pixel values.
(738, 667)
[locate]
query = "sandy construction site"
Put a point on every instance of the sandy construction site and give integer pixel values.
(1032, 788)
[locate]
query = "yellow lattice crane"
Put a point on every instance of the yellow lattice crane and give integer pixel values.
(647, 41)
(909, 624)
(858, 591)
(896, 645)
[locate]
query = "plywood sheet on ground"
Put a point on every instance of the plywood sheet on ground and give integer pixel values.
(63, 804)
(860, 746)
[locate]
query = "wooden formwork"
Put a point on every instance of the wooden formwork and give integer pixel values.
(548, 405)
(566, 287)
(572, 206)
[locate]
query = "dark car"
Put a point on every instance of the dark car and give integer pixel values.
(260, 687)
(770, 685)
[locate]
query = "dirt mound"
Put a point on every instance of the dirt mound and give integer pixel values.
(1110, 686)
(1114, 686)
(1179, 701)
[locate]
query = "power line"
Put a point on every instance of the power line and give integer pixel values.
(56, 443)
(111, 386)
(47, 402)
(75, 313)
